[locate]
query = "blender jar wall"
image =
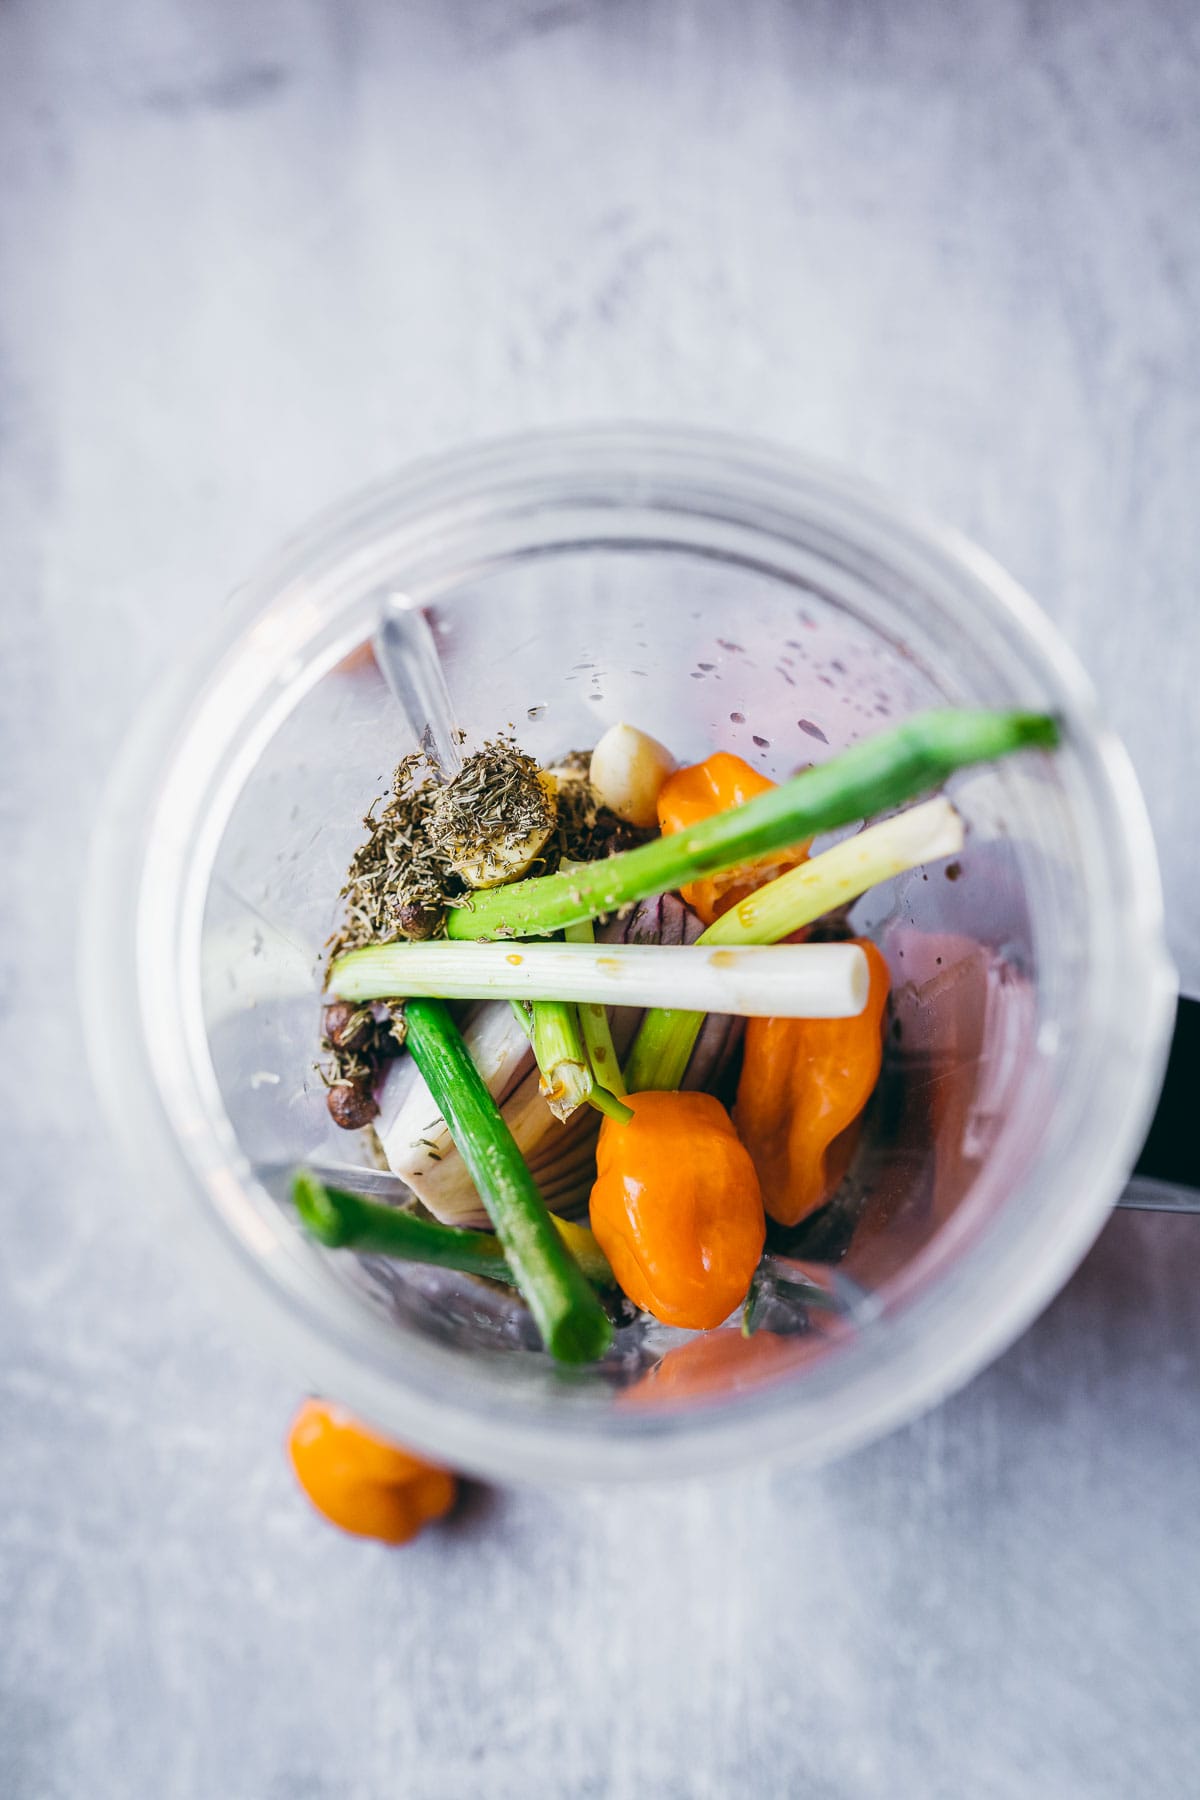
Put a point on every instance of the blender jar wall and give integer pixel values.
(754, 597)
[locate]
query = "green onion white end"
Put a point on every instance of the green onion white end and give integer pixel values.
(816, 981)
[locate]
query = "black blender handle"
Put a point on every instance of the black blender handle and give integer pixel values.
(1171, 1154)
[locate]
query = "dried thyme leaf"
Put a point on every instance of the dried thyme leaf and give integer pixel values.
(494, 816)
(398, 882)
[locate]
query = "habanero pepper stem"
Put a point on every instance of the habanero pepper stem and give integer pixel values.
(925, 833)
(343, 1221)
(606, 1102)
(868, 778)
(572, 1322)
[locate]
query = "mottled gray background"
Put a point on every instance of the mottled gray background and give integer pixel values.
(255, 252)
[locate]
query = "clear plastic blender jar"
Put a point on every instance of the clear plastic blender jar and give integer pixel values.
(722, 595)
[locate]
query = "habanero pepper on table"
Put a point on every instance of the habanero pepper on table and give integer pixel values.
(361, 1483)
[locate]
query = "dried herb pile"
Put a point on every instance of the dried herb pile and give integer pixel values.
(401, 880)
(497, 798)
(398, 881)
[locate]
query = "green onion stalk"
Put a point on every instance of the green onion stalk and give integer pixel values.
(344, 1221)
(667, 1035)
(818, 982)
(558, 1046)
(570, 1318)
(608, 1083)
(869, 778)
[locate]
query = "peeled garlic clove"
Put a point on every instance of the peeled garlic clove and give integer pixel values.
(627, 770)
(501, 858)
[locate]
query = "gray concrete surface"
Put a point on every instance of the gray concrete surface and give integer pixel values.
(254, 255)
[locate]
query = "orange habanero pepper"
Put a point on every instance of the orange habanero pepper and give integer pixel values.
(677, 1208)
(716, 1365)
(803, 1082)
(361, 1483)
(720, 782)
